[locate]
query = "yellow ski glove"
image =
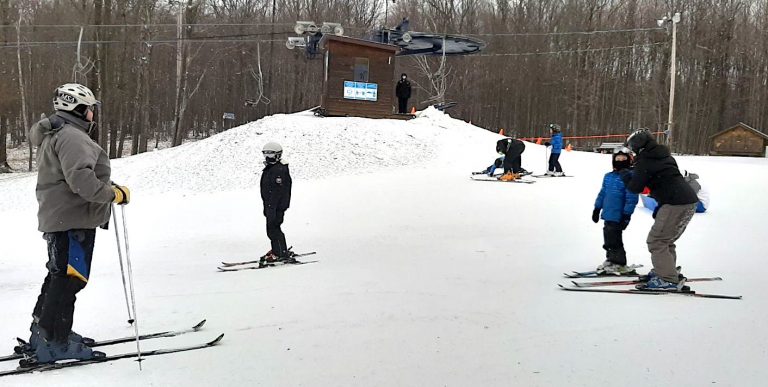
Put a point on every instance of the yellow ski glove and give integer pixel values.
(122, 194)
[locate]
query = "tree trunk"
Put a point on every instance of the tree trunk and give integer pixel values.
(22, 91)
(4, 168)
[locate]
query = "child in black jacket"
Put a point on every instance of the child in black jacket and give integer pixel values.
(276, 195)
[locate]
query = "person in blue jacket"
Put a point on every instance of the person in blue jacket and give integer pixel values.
(617, 204)
(556, 142)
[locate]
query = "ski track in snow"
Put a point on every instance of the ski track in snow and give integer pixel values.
(425, 277)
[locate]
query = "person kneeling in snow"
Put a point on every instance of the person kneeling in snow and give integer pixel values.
(617, 205)
(276, 195)
(511, 150)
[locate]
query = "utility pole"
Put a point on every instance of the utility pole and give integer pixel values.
(179, 70)
(268, 107)
(22, 90)
(673, 71)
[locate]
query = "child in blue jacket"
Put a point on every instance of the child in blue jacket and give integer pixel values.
(556, 142)
(617, 205)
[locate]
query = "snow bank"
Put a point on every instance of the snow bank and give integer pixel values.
(314, 147)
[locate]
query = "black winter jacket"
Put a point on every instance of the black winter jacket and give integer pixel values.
(656, 169)
(512, 149)
(403, 89)
(276, 187)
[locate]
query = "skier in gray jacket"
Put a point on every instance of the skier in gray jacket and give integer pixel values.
(74, 194)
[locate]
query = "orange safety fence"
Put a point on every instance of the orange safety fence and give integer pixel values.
(539, 139)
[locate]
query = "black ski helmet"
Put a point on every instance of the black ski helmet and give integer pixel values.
(502, 145)
(621, 159)
(639, 140)
(555, 128)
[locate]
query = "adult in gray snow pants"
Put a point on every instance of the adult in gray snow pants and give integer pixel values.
(656, 169)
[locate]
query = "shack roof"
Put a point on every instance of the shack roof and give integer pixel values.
(741, 125)
(361, 42)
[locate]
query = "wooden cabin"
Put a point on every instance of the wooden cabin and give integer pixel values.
(359, 78)
(739, 140)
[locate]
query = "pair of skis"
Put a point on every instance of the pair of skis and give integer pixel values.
(76, 363)
(599, 286)
(249, 265)
(484, 177)
(649, 292)
(546, 176)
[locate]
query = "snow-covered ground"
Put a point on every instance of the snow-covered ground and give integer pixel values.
(425, 278)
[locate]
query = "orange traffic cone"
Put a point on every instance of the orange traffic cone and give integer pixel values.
(538, 141)
(413, 110)
(569, 148)
(501, 131)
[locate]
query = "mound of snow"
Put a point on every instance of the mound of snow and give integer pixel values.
(313, 147)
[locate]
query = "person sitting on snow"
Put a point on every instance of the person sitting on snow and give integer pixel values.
(498, 163)
(617, 205)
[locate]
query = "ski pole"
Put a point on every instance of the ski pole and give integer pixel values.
(130, 283)
(122, 271)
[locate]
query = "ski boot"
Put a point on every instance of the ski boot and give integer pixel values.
(78, 338)
(34, 338)
(550, 173)
(609, 267)
(49, 351)
(289, 258)
(652, 273)
(268, 259)
(659, 284)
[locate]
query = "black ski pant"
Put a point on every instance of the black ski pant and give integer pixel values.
(613, 243)
(275, 233)
(554, 164)
(402, 105)
(514, 164)
(69, 265)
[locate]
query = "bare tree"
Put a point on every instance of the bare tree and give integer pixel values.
(593, 66)
(437, 80)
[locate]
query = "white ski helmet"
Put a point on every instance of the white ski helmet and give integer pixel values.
(272, 152)
(72, 95)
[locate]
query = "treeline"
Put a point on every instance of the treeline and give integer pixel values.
(164, 83)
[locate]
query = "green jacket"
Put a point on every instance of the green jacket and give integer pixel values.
(74, 189)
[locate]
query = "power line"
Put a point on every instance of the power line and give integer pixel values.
(570, 33)
(146, 25)
(209, 39)
(37, 26)
(572, 51)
